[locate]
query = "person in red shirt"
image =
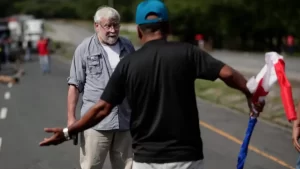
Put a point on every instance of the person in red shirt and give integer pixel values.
(290, 44)
(43, 52)
(200, 40)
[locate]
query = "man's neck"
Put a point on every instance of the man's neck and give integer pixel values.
(152, 37)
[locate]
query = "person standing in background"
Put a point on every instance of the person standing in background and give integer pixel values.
(28, 51)
(200, 41)
(19, 55)
(43, 52)
(7, 48)
(290, 44)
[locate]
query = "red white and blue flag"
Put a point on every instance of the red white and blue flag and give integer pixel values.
(259, 86)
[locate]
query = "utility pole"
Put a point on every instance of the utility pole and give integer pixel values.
(111, 3)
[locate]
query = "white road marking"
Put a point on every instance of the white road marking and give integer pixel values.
(7, 95)
(9, 85)
(3, 113)
(0, 142)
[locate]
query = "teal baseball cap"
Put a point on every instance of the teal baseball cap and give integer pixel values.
(151, 6)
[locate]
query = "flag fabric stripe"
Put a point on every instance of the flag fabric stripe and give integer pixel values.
(285, 91)
(260, 92)
(244, 148)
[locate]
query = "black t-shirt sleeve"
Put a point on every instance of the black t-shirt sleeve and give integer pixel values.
(205, 65)
(114, 92)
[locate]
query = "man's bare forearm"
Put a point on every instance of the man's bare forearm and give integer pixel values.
(95, 115)
(73, 95)
(297, 122)
(234, 79)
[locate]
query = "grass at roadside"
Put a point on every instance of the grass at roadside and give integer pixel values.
(218, 92)
(132, 36)
(48, 28)
(63, 49)
(125, 31)
(82, 23)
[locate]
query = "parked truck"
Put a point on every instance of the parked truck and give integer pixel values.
(34, 29)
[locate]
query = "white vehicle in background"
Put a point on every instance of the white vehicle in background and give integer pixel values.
(34, 29)
(15, 28)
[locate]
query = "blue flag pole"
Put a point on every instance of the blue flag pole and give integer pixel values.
(244, 148)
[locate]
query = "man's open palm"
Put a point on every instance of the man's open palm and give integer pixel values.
(57, 137)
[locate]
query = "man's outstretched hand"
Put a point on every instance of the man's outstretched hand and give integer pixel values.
(296, 136)
(57, 137)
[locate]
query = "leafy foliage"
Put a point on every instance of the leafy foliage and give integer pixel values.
(249, 24)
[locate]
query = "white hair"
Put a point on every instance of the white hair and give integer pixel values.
(106, 12)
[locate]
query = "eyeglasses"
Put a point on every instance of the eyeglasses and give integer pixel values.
(116, 26)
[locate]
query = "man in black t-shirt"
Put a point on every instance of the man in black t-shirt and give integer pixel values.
(158, 81)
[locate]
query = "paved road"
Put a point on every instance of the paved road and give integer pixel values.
(40, 101)
(70, 33)
(253, 62)
(37, 102)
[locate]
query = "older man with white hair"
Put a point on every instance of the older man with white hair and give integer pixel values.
(93, 62)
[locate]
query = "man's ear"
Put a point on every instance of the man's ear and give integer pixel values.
(140, 34)
(95, 27)
(169, 29)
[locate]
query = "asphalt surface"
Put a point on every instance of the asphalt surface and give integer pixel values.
(40, 101)
(67, 32)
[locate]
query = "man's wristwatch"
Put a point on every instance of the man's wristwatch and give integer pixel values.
(66, 133)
